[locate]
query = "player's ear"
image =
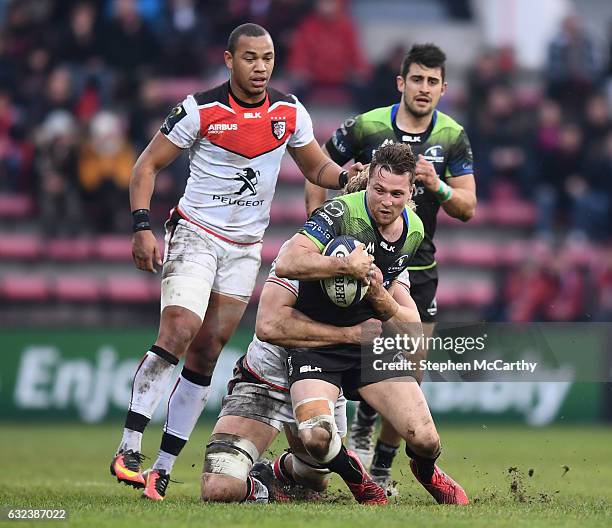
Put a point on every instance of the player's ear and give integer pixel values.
(229, 59)
(401, 83)
(444, 86)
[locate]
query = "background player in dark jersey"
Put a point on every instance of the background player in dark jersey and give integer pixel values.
(444, 179)
(381, 219)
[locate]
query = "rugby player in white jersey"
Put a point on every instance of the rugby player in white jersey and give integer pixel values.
(236, 135)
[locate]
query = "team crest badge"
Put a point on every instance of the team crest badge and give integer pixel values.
(278, 129)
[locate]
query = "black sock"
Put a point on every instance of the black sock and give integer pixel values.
(346, 467)
(383, 456)
(136, 422)
(283, 469)
(365, 415)
(425, 466)
(172, 444)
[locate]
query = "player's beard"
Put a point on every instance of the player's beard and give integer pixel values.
(417, 112)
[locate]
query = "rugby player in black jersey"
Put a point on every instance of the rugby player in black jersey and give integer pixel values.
(381, 219)
(445, 179)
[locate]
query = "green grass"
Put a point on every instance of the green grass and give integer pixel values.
(66, 466)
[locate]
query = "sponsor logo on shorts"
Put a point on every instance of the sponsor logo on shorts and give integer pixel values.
(309, 368)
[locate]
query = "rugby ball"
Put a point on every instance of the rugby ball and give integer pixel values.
(343, 291)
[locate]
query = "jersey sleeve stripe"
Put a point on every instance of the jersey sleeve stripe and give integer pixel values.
(284, 284)
(404, 284)
(317, 242)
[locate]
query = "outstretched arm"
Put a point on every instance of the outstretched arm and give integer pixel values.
(314, 196)
(319, 169)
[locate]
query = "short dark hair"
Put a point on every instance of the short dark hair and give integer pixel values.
(396, 158)
(247, 30)
(428, 55)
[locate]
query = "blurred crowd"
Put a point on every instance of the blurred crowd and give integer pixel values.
(84, 84)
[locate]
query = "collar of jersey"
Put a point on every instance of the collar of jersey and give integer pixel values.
(242, 104)
(394, 110)
(373, 222)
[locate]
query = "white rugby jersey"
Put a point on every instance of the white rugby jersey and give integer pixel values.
(268, 362)
(235, 151)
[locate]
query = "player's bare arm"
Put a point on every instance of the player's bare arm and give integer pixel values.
(301, 259)
(280, 324)
(159, 153)
(319, 169)
(314, 196)
(459, 201)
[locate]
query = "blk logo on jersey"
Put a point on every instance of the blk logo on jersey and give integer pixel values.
(278, 129)
(387, 247)
(249, 179)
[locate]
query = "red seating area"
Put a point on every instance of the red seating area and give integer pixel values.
(16, 206)
(57, 284)
(79, 289)
(463, 251)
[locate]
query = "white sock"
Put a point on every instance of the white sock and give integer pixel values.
(130, 440)
(150, 383)
(256, 491)
(165, 461)
(185, 406)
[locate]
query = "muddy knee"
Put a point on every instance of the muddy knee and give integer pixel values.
(177, 330)
(227, 463)
(317, 428)
(221, 488)
(424, 443)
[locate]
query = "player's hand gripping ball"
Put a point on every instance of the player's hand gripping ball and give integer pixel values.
(343, 290)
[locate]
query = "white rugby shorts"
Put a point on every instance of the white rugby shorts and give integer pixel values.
(197, 262)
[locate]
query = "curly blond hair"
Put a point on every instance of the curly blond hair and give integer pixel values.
(360, 182)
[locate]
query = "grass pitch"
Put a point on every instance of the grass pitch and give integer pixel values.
(514, 476)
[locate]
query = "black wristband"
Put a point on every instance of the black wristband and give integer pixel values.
(343, 179)
(140, 220)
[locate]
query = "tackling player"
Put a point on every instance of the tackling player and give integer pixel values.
(236, 134)
(258, 405)
(444, 179)
(380, 219)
